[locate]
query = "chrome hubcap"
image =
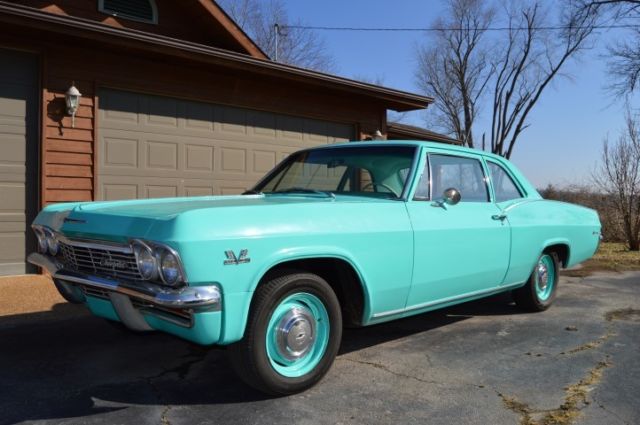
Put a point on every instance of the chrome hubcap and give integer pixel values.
(295, 333)
(543, 276)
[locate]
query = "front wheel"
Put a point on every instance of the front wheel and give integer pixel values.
(540, 290)
(292, 336)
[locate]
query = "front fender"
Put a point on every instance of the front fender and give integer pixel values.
(241, 302)
(306, 252)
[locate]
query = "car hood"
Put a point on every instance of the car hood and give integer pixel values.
(163, 219)
(169, 208)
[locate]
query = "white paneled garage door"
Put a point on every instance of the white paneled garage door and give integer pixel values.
(152, 146)
(18, 158)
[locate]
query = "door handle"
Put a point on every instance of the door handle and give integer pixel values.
(500, 217)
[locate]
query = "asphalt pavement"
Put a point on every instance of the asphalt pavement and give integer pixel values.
(483, 362)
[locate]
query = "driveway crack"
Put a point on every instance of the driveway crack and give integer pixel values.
(195, 356)
(610, 332)
(611, 412)
(385, 368)
(164, 420)
(575, 400)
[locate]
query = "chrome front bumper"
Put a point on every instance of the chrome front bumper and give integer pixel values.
(200, 298)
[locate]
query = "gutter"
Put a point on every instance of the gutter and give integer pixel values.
(395, 99)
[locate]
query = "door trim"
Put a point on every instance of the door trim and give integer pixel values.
(490, 291)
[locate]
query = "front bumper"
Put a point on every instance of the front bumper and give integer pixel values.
(142, 307)
(193, 297)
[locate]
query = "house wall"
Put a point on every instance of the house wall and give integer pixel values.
(185, 20)
(68, 155)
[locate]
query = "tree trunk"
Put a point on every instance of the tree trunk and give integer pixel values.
(630, 235)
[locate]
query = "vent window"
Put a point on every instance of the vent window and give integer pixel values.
(135, 10)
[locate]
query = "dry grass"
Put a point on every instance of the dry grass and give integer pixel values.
(630, 314)
(568, 412)
(611, 256)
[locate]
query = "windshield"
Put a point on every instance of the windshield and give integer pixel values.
(375, 171)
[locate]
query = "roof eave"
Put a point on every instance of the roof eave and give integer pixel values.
(243, 39)
(407, 132)
(392, 99)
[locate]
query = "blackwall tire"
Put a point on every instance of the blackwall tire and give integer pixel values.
(292, 337)
(540, 290)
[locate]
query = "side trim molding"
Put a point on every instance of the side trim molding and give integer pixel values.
(490, 291)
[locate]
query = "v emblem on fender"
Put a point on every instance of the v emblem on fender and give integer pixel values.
(240, 259)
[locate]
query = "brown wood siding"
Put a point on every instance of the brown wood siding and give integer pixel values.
(68, 154)
(185, 20)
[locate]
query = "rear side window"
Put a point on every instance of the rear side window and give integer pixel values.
(503, 185)
(463, 174)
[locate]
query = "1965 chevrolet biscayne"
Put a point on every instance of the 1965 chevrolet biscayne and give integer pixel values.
(351, 234)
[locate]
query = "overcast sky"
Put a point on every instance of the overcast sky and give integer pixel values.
(567, 127)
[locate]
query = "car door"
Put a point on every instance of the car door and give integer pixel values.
(459, 249)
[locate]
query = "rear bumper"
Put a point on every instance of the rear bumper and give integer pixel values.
(201, 298)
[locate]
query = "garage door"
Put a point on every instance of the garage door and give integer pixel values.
(18, 150)
(151, 146)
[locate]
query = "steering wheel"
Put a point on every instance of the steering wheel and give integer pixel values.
(372, 184)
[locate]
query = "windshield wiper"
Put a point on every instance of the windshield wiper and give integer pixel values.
(252, 192)
(306, 190)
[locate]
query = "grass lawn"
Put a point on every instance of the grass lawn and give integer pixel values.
(611, 256)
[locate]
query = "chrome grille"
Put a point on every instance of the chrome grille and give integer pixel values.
(182, 315)
(101, 261)
(95, 292)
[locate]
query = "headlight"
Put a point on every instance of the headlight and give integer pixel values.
(52, 242)
(170, 268)
(146, 261)
(42, 240)
(157, 261)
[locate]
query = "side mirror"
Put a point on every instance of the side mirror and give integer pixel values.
(451, 196)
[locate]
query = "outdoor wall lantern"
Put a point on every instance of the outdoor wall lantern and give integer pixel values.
(377, 135)
(72, 98)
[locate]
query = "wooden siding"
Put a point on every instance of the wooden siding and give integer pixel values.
(68, 155)
(198, 22)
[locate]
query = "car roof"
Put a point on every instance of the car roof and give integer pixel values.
(529, 189)
(416, 143)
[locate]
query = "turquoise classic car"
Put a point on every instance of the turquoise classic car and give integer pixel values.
(343, 235)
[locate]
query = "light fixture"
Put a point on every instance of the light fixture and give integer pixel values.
(72, 98)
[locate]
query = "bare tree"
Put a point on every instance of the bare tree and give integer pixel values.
(514, 66)
(296, 46)
(618, 175)
(455, 68)
(624, 63)
(531, 60)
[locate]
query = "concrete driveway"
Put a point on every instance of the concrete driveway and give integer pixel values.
(478, 363)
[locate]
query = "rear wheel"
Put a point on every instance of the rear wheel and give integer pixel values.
(540, 290)
(292, 336)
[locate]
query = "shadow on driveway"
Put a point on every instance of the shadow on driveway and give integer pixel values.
(84, 367)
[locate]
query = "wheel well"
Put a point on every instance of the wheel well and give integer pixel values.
(562, 251)
(339, 274)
